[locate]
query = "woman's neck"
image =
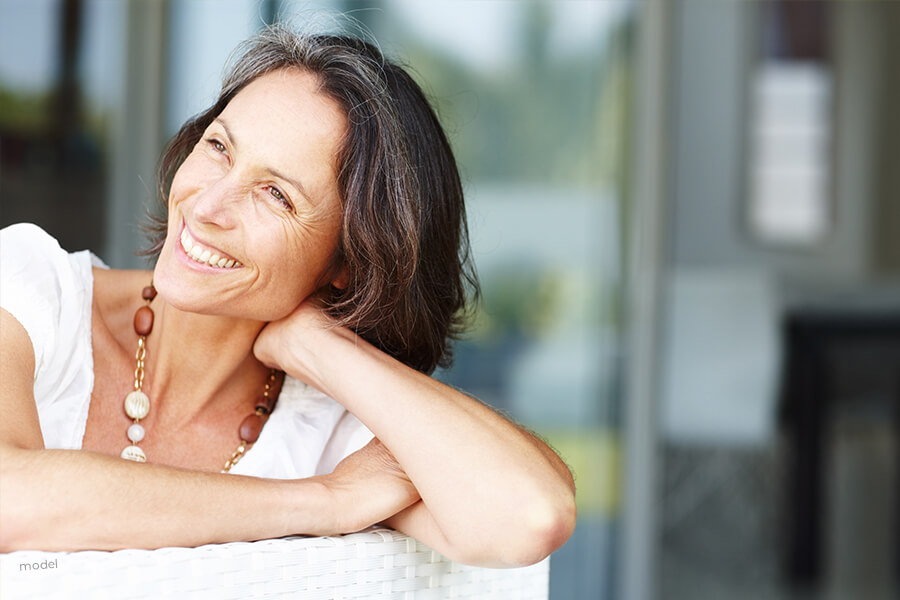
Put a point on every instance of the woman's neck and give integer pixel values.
(194, 362)
(197, 362)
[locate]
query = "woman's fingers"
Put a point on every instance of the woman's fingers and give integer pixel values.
(372, 486)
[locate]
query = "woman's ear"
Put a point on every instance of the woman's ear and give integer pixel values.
(340, 280)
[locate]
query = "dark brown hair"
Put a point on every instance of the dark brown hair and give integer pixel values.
(404, 241)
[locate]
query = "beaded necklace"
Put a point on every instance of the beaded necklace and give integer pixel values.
(137, 403)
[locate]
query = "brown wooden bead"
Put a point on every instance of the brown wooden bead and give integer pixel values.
(143, 320)
(251, 427)
(148, 293)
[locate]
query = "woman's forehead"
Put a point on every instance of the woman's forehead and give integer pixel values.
(284, 123)
(290, 97)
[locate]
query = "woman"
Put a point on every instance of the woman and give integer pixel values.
(314, 226)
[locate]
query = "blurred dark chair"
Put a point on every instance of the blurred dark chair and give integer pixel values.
(814, 342)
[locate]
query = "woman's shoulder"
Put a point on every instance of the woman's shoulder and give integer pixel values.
(28, 252)
(35, 270)
(48, 291)
(52, 292)
(27, 242)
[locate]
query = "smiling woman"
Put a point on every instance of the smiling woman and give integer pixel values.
(259, 188)
(312, 265)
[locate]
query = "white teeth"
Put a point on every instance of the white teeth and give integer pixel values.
(202, 255)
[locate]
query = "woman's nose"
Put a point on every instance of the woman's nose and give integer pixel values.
(217, 203)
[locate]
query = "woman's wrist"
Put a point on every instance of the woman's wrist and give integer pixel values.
(320, 356)
(312, 506)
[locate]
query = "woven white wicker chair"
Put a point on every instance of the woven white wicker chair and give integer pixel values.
(378, 564)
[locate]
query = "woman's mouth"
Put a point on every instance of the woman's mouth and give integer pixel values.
(206, 256)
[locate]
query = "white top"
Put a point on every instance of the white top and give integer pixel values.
(49, 292)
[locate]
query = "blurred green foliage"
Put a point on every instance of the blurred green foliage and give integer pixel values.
(24, 111)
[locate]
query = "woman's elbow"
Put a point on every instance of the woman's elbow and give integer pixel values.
(546, 526)
(534, 530)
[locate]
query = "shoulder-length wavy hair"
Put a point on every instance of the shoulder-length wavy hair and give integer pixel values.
(404, 242)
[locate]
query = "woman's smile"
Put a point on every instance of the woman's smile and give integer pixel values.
(206, 255)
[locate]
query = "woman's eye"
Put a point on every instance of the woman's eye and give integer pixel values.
(217, 145)
(276, 193)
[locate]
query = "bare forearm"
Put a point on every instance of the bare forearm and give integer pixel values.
(475, 470)
(68, 500)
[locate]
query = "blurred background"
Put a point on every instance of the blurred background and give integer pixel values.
(685, 217)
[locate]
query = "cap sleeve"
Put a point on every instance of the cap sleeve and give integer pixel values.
(32, 267)
(49, 292)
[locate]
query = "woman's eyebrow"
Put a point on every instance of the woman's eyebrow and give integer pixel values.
(269, 170)
(293, 182)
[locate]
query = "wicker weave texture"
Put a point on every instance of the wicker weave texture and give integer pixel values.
(377, 564)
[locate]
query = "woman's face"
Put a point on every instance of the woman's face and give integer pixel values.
(254, 210)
